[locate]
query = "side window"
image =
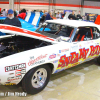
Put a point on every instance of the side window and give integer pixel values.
(88, 35)
(65, 31)
(85, 34)
(96, 33)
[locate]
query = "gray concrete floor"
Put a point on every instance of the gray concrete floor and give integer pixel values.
(78, 83)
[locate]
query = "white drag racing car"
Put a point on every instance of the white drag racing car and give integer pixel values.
(31, 57)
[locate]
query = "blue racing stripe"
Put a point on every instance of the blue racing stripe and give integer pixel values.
(41, 14)
(31, 17)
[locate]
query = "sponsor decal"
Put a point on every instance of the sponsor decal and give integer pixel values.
(80, 46)
(18, 75)
(64, 50)
(20, 72)
(15, 67)
(10, 84)
(52, 56)
(88, 42)
(74, 47)
(35, 61)
(14, 78)
(39, 62)
(56, 61)
(58, 70)
(96, 43)
(74, 57)
(11, 73)
(58, 55)
(32, 57)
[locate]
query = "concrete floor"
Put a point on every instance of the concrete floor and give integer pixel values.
(78, 83)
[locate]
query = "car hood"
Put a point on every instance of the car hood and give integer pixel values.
(12, 30)
(27, 25)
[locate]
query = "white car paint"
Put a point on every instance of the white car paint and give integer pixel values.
(43, 54)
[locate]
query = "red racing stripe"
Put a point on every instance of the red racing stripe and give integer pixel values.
(4, 2)
(52, 4)
(10, 28)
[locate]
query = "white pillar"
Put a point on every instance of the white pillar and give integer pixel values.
(11, 4)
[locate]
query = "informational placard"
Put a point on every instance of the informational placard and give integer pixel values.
(70, 11)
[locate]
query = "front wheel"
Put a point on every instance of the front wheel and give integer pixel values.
(36, 79)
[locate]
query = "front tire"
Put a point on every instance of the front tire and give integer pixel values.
(98, 60)
(36, 79)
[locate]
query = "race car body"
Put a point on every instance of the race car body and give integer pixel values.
(31, 57)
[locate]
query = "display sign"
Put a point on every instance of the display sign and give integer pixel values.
(69, 11)
(91, 16)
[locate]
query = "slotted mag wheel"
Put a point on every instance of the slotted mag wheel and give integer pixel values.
(39, 78)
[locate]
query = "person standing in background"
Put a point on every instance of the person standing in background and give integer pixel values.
(88, 17)
(22, 15)
(4, 13)
(43, 18)
(72, 16)
(62, 15)
(11, 20)
(48, 16)
(58, 15)
(15, 13)
(79, 17)
(20, 11)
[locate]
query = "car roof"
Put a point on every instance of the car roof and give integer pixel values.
(73, 23)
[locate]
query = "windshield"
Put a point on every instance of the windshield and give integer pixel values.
(56, 29)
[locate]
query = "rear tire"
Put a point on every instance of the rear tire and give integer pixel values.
(98, 60)
(36, 79)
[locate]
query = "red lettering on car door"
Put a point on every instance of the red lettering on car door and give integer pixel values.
(94, 50)
(83, 53)
(62, 61)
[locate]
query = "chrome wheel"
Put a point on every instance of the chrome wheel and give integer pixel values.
(39, 78)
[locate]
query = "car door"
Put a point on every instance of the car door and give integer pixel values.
(83, 47)
(87, 44)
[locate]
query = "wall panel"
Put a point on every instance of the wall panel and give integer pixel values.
(4, 0)
(43, 1)
(77, 2)
(90, 6)
(92, 3)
